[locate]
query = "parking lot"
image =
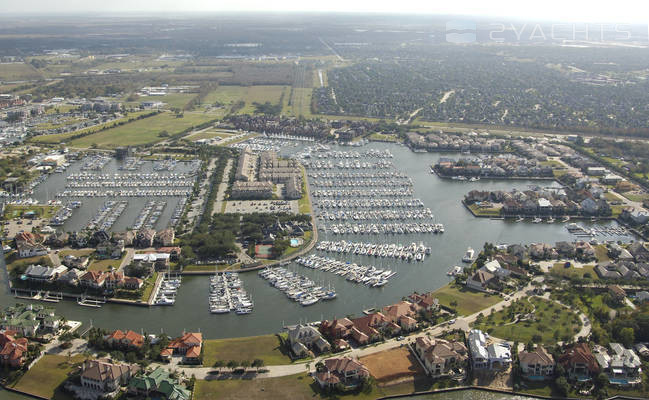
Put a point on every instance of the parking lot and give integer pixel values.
(261, 206)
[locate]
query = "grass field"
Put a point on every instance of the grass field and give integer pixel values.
(559, 270)
(550, 320)
(266, 348)
(148, 287)
(299, 387)
(381, 137)
(178, 100)
(47, 375)
(228, 95)
(15, 211)
(145, 131)
(76, 253)
(486, 212)
(103, 265)
(389, 365)
(18, 72)
(209, 134)
(62, 137)
(639, 197)
(300, 103)
(468, 301)
(26, 261)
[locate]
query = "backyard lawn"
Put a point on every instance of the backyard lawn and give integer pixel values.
(44, 378)
(559, 269)
(144, 131)
(266, 348)
(468, 301)
(528, 317)
(104, 265)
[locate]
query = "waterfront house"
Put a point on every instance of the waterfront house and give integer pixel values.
(165, 237)
(639, 251)
(440, 356)
(104, 376)
(425, 302)
(579, 362)
(71, 261)
(25, 249)
(125, 339)
(302, 338)
(537, 364)
(93, 279)
(71, 277)
(12, 349)
(493, 267)
(344, 370)
(337, 329)
(485, 355)
(39, 273)
(189, 345)
(480, 280)
(157, 384)
(145, 237)
(402, 314)
(622, 366)
(108, 249)
(29, 319)
(373, 325)
(128, 237)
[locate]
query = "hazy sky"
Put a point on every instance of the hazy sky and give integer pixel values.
(636, 11)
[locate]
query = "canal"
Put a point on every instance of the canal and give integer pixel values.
(272, 308)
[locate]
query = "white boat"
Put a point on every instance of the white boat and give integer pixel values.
(468, 256)
(456, 270)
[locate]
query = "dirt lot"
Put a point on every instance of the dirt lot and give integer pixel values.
(392, 365)
(494, 379)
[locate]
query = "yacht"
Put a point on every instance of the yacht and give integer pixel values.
(468, 256)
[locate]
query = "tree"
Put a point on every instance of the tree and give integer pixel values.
(258, 363)
(219, 364)
(562, 386)
(245, 364)
(601, 381)
(627, 336)
(232, 364)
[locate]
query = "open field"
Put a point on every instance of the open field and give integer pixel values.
(18, 72)
(15, 211)
(177, 100)
(381, 137)
(104, 265)
(266, 348)
(300, 387)
(144, 131)
(76, 253)
(229, 95)
(571, 272)
(148, 286)
(210, 134)
(468, 301)
(44, 378)
(486, 212)
(392, 364)
(540, 317)
(62, 137)
(300, 103)
(25, 261)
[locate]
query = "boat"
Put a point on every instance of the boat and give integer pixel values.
(550, 220)
(164, 301)
(537, 220)
(520, 219)
(468, 256)
(456, 270)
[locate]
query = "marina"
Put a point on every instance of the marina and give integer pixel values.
(272, 306)
(412, 252)
(166, 294)
(227, 294)
(297, 287)
(366, 274)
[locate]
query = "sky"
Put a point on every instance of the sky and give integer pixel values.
(629, 11)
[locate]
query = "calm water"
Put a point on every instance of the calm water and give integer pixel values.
(273, 309)
(470, 395)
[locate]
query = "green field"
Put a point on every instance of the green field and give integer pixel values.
(228, 95)
(104, 265)
(300, 103)
(62, 137)
(468, 301)
(381, 137)
(144, 131)
(209, 134)
(148, 287)
(484, 212)
(44, 378)
(15, 211)
(571, 272)
(266, 348)
(177, 100)
(18, 72)
(548, 319)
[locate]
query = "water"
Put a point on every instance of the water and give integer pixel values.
(470, 395)
(273, 309)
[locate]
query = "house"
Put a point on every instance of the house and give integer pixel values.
(125, 339)
(617, 293)
(305, 337)
(493, 267)
(372, 325)
(165, 237)
(642, 296)
(93, 279)
(189, 345)
(622, 366)
(40, 273)
(579, 362)
(26, 249)
(12, 349)
(402, 314)
(104, 376)
(537, 364)
(487, 356)
(344, 370)
(145, 237)
(159, 261)
(336, 329)
(480, 280)
(71, 261)
(71, 277)
(29, 319)
(607, 270)
(639, 251)
(157, 384)
(108, 249)
(440, 356)
(425, 302)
